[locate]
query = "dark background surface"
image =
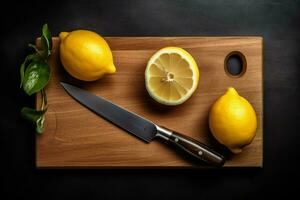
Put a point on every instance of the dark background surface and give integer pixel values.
(277, 21)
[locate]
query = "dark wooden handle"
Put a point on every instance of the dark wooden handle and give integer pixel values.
(197, 149)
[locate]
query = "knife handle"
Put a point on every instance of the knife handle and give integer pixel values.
(193, 147)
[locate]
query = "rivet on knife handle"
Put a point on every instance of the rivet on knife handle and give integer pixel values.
(192, 146)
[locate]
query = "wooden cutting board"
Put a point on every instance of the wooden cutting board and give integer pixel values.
(76, 137)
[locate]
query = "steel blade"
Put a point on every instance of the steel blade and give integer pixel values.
(132, 123)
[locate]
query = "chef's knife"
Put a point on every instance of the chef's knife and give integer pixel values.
(140, 127)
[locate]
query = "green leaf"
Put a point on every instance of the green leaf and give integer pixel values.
(36, 77)
(31, 57)
(34, 116)
(46, 41)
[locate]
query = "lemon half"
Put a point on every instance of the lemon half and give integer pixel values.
(171, 76)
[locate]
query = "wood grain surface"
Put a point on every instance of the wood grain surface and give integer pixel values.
(76, 137)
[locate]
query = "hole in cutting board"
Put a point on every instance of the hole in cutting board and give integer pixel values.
(235, 64)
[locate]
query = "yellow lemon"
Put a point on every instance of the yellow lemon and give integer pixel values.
(171, 76)
(232, 121)
(85, 55)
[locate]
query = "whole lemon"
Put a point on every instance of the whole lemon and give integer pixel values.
(232, 121)
(85, 55)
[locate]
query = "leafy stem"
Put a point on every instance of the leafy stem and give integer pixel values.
(35, 75)
(44, 99)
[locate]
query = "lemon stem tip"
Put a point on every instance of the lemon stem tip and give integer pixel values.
(112, 68)
(235, 150)
(232, 90)
(63, 35)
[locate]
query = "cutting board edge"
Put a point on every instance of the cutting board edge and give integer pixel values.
(261, 38)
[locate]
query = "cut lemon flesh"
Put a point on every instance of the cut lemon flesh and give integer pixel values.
(171, 76)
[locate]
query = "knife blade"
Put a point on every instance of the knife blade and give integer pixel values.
(140, 127)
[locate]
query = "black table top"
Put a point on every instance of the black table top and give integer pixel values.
(277, 21)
